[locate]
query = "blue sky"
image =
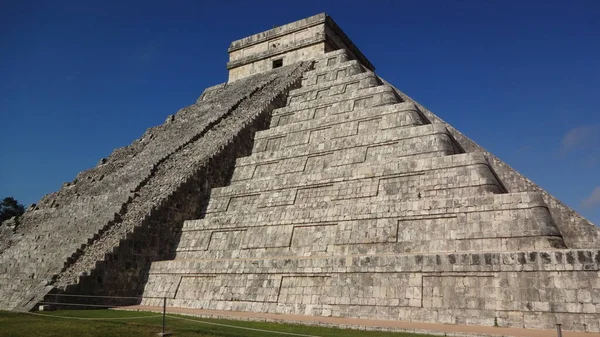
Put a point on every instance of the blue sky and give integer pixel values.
(521, 78)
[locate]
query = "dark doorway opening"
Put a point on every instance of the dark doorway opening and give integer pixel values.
(277, 63)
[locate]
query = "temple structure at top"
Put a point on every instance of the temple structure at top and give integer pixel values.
(302, 40)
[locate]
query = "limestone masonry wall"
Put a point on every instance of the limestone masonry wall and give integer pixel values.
(531, 289)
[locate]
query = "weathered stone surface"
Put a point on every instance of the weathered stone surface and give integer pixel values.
(356, 202)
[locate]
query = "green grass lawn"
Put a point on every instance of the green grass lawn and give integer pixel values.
(109, 323)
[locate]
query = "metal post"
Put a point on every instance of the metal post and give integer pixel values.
(165, 312)
(558, 329)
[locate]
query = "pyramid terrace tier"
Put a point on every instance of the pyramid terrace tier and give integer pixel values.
(342, 103)
(352, 123)
(317, 76)
(332, 60)
(346, 77)
(387, 145)
(458, 175)
(346, 84)
(532, 289)
(333, 73)
(403, 166)
(351, 209)
(497, 222)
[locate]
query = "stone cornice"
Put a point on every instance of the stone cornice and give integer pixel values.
(321, 37)
(277, 32)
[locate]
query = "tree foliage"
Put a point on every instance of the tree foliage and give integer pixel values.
(10, 207)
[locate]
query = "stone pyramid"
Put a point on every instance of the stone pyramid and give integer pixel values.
(347, 198)
(358, 202)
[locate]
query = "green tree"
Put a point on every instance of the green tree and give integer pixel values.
(10, 207)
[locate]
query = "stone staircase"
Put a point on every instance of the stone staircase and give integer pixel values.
(250, 112)
(93, 215)
(355, 204)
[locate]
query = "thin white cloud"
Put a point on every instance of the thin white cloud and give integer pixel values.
(577, 137)
(593, 199)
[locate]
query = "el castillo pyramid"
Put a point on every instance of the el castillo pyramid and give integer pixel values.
(307, 184)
